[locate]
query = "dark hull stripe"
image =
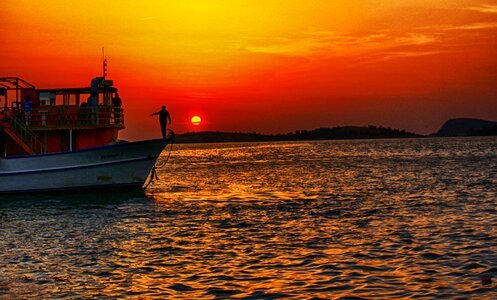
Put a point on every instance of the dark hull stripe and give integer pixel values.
(135, 185)
(95, 165)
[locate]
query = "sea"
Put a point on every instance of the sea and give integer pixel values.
(354, 219)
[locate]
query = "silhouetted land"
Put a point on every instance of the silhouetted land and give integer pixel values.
(467, 127)
(335, 133)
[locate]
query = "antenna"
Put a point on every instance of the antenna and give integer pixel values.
(104, 61)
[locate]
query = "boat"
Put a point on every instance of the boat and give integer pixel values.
(67, 138)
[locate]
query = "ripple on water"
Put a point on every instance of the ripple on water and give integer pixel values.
(389, 219)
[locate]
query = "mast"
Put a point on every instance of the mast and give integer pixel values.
(104, 64)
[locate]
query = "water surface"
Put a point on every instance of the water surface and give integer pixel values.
(368, 219)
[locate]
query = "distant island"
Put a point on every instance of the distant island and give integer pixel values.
(335, 133)
(453, 127)
(467, 127)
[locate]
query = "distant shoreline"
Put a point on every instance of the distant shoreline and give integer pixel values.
(335, 133)
(454, 127)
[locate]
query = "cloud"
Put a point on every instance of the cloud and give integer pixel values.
(321, 44)
(148, 18)
(287, 46)
(391, 55)
(473, 26)
(308, 44)
(416, 39)
(200, 96)
(485, 8)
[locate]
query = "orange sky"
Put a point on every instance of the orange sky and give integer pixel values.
(265, 66)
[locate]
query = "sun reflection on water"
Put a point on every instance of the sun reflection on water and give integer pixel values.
(366, 219)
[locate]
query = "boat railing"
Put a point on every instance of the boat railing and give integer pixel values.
(69, 117)
(23, 132)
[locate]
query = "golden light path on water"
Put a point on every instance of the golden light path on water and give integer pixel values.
(383, 219)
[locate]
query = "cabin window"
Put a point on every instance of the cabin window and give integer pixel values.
(47, 98)
(101, 99)
(107, 98)
(69, 99)
(59, 99)
(72, 100)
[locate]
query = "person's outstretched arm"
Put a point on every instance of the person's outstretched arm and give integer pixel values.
(154, 114)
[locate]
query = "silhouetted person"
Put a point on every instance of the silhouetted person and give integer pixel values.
(116, 102)
(28, 108)
(3, 92)
(93, 109)
(163, 118)
(83, 112)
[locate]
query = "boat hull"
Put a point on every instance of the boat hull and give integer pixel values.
(119, 165)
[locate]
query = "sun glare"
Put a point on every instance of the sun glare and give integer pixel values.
(196, 120)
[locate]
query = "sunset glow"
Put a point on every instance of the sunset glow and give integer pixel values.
(270, 66)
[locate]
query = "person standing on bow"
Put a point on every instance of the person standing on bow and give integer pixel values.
(163, 118)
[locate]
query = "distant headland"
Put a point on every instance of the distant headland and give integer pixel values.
(453, 127)
(467, 127)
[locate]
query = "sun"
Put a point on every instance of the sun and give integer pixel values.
(196, 120)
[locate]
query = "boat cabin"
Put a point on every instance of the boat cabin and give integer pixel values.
(38, 121)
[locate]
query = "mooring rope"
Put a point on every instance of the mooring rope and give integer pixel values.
(153, 175)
